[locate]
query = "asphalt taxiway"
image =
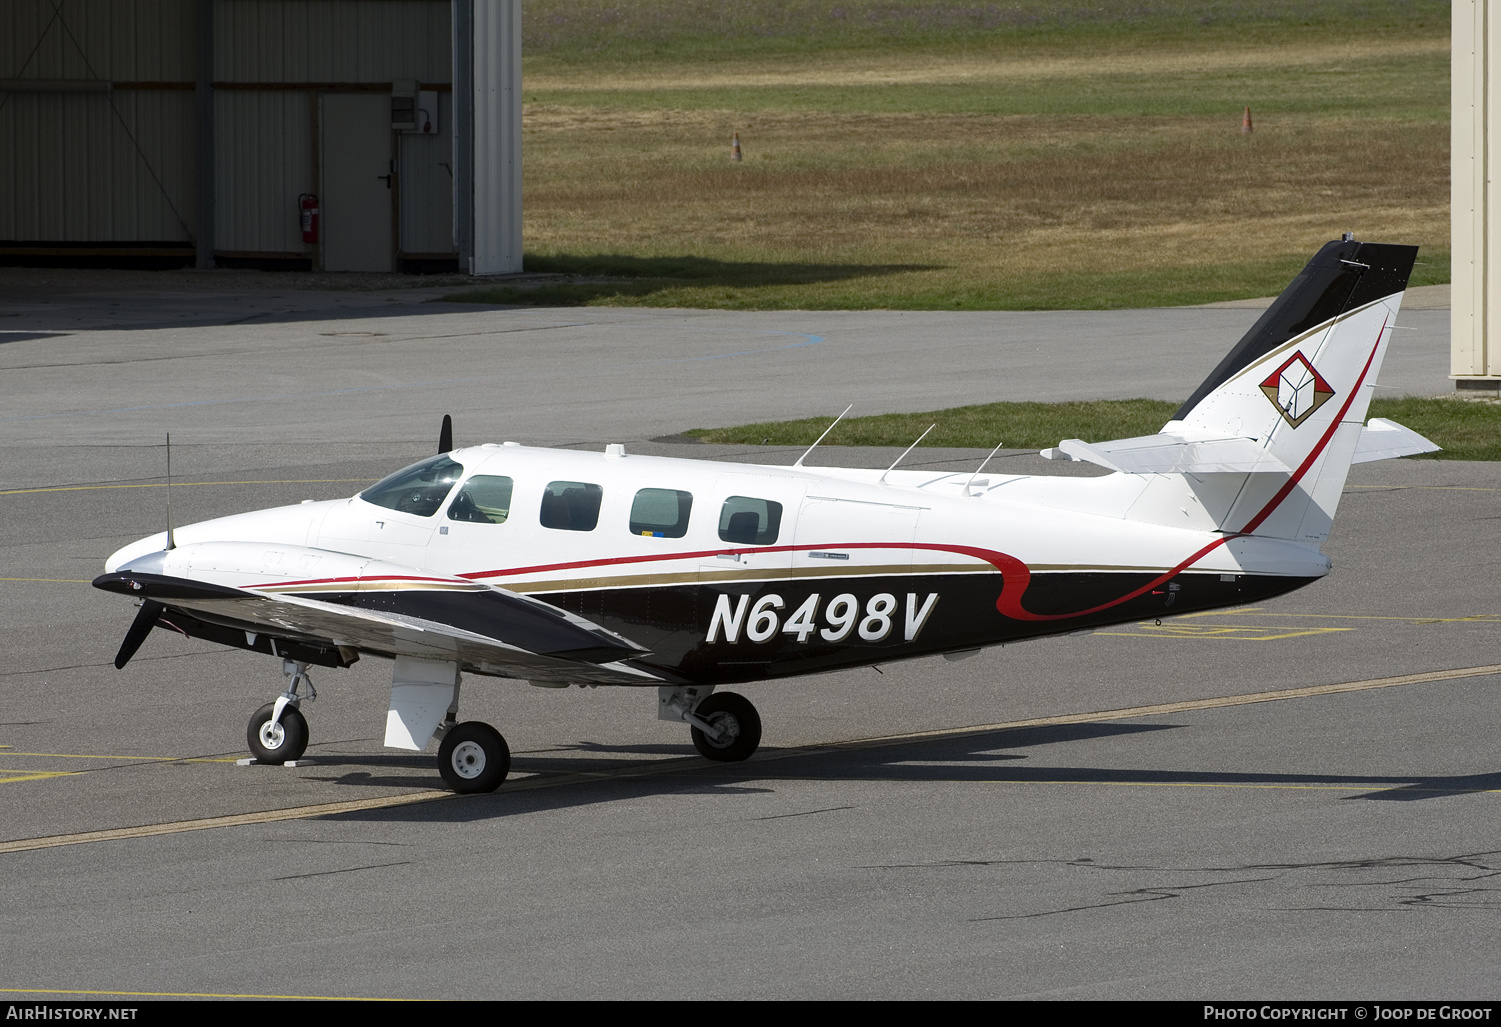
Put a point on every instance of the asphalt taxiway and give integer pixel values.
(1293, 800)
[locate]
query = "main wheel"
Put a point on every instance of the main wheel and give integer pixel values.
(473, 757)
(286, 741)
(739, 725)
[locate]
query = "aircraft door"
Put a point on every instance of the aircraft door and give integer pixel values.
(358, 175)
(741, 589)
(855, 564)
(837, 532)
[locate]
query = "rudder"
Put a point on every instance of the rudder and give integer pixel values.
(1299, 385)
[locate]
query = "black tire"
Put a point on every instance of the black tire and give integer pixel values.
(734, 713)
(287, 743)
(473, 757)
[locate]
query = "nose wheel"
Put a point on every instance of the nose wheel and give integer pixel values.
(278, 732)
(280, 741)
(473, 757)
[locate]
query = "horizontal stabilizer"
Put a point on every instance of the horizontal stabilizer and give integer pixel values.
(1381, 439)
(1169, 454)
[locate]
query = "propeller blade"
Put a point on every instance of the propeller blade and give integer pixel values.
(445, 436)
(139, 629)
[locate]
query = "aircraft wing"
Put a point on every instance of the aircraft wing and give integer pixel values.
(353, 602)
(1382, 439)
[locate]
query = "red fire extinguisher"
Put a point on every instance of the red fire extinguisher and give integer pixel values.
(309, 204)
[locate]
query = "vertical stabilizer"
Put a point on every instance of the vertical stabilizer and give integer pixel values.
(1299, 384)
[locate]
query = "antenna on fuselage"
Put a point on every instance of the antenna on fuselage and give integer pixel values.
(987, 460)
(799, 461)
(171, 542)
(904, 453)
(445, 436)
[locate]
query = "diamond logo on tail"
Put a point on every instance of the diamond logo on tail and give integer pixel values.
(1296, 389)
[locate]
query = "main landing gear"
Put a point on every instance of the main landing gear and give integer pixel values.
(473, 757)
(725, 727)
(278, 731)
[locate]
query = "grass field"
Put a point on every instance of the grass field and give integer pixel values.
(1468, 430)
(1002, 156)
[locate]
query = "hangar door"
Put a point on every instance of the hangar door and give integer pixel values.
(358, 176)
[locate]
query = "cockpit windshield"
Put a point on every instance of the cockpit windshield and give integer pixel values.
(419, 489)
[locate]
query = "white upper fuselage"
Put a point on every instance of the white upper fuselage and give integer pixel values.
(833, 519)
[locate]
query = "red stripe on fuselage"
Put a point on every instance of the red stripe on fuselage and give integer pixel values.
(1015, 574)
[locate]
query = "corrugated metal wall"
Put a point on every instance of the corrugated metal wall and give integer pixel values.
(116, 40)
(115, 165)
(263, 159)
(497, 138)
(332, 40)
(426, 223)
(120, 166)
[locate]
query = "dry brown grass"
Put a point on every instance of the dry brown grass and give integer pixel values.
(980, 208)
(1001, 193)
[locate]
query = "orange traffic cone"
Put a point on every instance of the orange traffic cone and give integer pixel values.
(734, 146)
(1245, 123)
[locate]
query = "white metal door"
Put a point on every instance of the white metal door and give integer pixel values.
(357, 181)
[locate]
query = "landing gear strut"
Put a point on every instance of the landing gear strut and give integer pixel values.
(278, 731)
(725, 726)
(735, 726)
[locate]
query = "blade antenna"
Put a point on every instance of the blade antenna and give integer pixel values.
(799, 461)
(171, 542)
(909, 449)
(987, 460)
(445, 436)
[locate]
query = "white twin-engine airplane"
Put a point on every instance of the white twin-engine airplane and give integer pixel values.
(562, 567)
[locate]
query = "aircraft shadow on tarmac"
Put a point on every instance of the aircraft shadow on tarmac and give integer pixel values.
(23, 336)
(974, 758)
(569, 282)
(626, 277)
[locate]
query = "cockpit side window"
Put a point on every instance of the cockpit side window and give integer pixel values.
(483, 499)
(571, 505)
(661, 513)
(419, 489)
(751, 522)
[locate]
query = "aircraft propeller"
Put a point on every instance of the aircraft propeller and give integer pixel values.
(139, 629)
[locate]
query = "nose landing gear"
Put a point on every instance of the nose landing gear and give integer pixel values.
(278, 732)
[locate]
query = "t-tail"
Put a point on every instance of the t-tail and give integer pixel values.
(1265, 443)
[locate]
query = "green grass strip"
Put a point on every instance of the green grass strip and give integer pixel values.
(1467, 429)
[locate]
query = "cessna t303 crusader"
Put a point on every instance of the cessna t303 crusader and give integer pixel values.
(562, 567)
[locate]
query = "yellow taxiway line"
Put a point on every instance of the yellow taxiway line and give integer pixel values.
(690, 764)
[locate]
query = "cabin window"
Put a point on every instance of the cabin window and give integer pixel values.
(483, 499)
(661, 513)
(419, 489)
(752, 522)
(571, 505)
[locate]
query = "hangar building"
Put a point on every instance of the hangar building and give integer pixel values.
(336, 135)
